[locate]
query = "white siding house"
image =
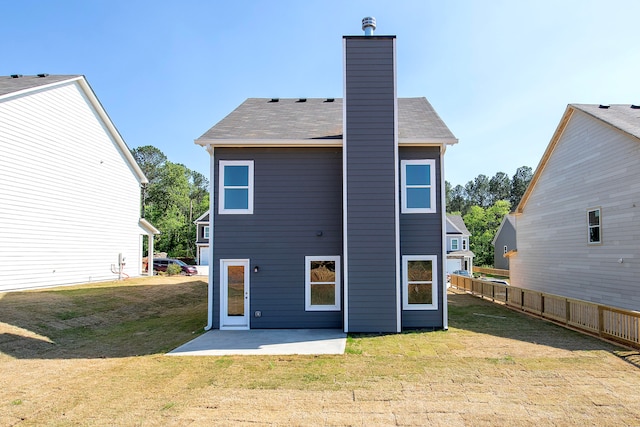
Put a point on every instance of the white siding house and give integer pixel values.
(69, 187)
(459, 256)
(579, 221)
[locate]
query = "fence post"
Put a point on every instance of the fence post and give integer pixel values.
(567, 311)
(600, 320)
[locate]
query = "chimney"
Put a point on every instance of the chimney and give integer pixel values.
(368, 25)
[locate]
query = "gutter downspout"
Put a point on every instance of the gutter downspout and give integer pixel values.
(443, 203)
(210, 298)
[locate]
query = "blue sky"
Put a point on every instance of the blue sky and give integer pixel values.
(500, 73)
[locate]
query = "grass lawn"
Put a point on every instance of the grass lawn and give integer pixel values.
(94, 355)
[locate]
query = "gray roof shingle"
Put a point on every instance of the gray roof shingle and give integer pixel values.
(458, 222)
(10, 84)
(318, 119)
(620, 116)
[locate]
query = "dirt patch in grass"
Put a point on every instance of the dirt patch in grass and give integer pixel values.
(93, 355)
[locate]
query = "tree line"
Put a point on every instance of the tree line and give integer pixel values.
(482, 203)
(174, 197)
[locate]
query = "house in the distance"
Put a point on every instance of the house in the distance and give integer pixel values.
(578, 228)
(202, 239)
(69, 187)
(329, 213)
(459, 257)
(504, 242)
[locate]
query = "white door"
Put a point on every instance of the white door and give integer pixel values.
(204, 255)
(453, 265)
(234, 294)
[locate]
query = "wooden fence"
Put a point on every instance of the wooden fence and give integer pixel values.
(491, 271)
(607, 322)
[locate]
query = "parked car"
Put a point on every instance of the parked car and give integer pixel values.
(161, 264)
(500, 281)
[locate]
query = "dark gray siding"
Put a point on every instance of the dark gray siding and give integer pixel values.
(298, 192)
(421, 234)
(506, 237)
(200, 234)
(371, 193)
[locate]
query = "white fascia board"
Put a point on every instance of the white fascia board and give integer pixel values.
(148, 227)
(95, 102)
(427, 141)
(270, 142)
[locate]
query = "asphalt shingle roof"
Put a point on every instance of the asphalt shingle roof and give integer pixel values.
(10, 84)
(458, 222)
(318, 118)
(620, 116)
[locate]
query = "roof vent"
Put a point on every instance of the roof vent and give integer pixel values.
(302, 100)
(16, 76)
(605, 106)
(330, 100)
(635, 107)
(274, 99)
(43, 75)
(368, 25)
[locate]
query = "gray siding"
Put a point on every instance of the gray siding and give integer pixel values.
(371, 169)
(421, 234)
(298, 192)
(593, 165)
(506, 237)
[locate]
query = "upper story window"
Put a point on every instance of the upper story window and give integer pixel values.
(205, 231)
(419, 282)
(322, 283)
(235, 187)
(454, 244)
(418, 186)
(504, 250)
(464, 244)
(594, 226)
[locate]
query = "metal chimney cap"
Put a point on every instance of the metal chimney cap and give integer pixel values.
(368, 25)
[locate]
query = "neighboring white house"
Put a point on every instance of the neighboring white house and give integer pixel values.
(459, 256)
(578, 231)
(69, 187)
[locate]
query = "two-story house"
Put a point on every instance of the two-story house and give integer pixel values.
(202, 239)
(329, 213)
(504, 243)
(70, 193)
(459, 256)
(578, 223)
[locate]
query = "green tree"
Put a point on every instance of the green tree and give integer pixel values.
(174, 197)
(458, 201)
(519, 184)
(478, 191)
(499, 187)
(483, 224)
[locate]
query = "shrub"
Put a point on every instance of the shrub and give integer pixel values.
(173, 269)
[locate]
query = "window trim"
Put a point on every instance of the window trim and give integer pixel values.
(205, 232)
(432, 186)
(505, 250)
(221, 187)
(434, 282)
(457, 248)
(599, 226)
(307, 284)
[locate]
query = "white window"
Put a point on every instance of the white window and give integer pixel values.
(235, 187)
(205, 232)
(594, 226)
(419, 282)
(454, 244)
(464, 244)
(418, 186)
(322, 283)
(504, 251)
